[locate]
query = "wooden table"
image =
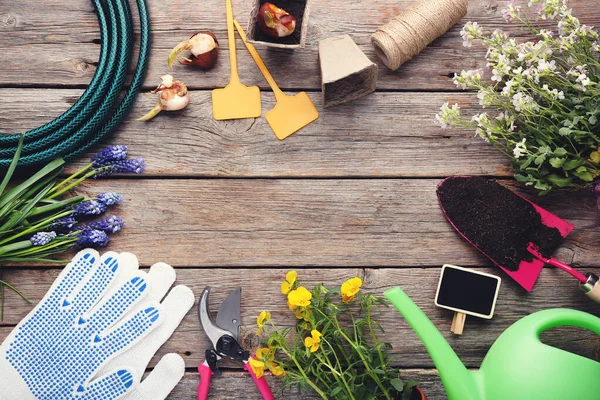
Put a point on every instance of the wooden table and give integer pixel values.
(353, 194)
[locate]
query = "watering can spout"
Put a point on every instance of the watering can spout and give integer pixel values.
(459, 383)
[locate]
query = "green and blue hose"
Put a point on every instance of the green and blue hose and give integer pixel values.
(98, 111)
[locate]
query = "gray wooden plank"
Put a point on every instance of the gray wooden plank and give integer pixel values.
(381, 135)
(236, 385)
(58, 40)
(261, 291)
(298, 222)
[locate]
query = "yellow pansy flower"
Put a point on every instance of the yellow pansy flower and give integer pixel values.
(261, 320)
(258, 367)
(350, 288)
(290, 279)
(299, 298)
(277, 370)
(313, 341)
(303, 313)
(265, 354)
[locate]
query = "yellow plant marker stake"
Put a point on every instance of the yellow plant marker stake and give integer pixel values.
(291, 113)
(235, 101)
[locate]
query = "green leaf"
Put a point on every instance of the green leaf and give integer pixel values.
(557, 162)
(398, 384)
(522, 178)
(14, 192)
(539, 185)
(559, 180)
(526, 163)
(539, 160)
(559, 151)
(335, 390)
(572, 164)
(584, 176)
(12, 166)
(564, 131)
(592, 120)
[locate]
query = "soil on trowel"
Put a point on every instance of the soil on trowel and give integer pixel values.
(497, 221)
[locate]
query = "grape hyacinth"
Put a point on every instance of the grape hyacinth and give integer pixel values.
(133, 166)
(108, 155)
(89, 208)
(63, 223)
(109, 225)
(42, 238)
(92, 238)
(109, 198)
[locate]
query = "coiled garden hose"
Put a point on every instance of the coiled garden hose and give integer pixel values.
(98, 111)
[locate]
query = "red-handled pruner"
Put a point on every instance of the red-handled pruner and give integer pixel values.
(223, 335)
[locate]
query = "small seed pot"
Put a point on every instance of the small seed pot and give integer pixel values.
(299, 9)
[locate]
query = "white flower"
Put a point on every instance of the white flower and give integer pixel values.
(467, 79)
(447, 115)
(524, 102)
(469, 32)
(520, 149)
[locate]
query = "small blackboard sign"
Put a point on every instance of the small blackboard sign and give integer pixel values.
(466, 291)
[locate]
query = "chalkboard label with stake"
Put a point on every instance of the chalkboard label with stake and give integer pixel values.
(467, 292)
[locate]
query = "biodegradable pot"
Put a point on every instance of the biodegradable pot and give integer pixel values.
(346, 72)
(297, 8)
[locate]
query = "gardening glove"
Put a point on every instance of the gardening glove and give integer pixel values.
(98, 309)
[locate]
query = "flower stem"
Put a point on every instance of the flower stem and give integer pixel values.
(310, 382)
(73, 184)
(73, 176)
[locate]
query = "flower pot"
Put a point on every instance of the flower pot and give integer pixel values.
(417, 394)
(297, 8)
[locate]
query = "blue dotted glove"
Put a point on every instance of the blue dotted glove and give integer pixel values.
(93, 313)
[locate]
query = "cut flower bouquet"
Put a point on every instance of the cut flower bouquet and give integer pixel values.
(543, 96)
(334, 349)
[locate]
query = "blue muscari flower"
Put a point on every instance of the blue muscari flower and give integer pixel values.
(109, 198)
(134, 166)
(92, 238)
(109, 225)
(108, 155)
(87, 208)
(42, 238)
(63, 223)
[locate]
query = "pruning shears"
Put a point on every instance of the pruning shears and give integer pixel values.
(223, 335)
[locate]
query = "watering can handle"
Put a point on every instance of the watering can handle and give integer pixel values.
(547, 319)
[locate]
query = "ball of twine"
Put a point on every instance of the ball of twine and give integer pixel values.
(411, 31)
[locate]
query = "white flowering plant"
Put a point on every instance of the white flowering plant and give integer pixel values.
(543, 99)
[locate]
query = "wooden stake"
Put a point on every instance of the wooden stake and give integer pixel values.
(458, 323)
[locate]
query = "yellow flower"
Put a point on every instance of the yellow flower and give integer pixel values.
(299, 298)
(261, 320)
(258, 367)
(313, 342)
(290, 279)
(303, 313)
(350, 288)
(277, 370)
(265, 354)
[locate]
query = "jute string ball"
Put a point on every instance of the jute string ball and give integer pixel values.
(411, 31)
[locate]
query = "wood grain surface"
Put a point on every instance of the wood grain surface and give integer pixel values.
(353, 194)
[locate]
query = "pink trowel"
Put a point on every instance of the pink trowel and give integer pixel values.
(516, 234)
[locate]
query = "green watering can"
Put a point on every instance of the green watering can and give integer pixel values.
(518, 366)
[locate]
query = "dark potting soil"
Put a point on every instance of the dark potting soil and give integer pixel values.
(496, 220)
(296, 9)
